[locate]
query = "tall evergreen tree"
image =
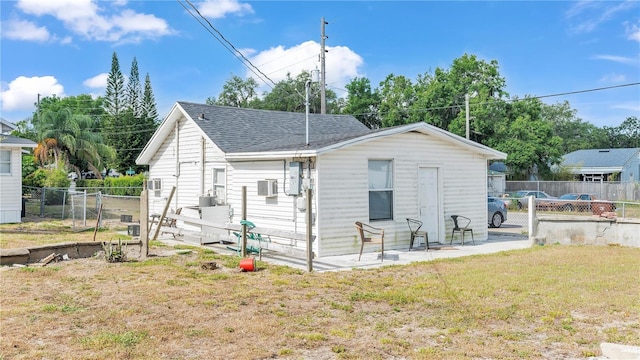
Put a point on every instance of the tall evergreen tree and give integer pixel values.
(149, 110)
(114, 96)
(134, 91)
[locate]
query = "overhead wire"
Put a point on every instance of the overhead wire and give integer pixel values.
(226, 43)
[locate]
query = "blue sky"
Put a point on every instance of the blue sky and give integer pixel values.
(64, 47)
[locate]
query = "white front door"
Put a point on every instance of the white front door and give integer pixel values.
(428, 202)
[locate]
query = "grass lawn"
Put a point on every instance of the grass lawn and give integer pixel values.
(547, 302)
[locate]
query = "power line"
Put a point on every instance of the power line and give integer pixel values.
(222, 40)
(460, 106)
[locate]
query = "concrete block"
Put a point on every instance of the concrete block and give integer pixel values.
(88, 249)
(14, 256)
(620, 352)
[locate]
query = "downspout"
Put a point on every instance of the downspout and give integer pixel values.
(203, 145)
(177, 174)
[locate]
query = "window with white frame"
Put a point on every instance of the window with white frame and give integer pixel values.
(380, 190)
(219, 182)
(5, 162)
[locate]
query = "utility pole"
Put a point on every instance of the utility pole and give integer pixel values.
(323, 100)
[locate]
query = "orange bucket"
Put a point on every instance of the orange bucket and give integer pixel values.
(248, 264)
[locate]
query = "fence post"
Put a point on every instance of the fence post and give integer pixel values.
(99, 207)
(144, 222)
(243, 239)
(64, 201)
(532, 217)
(84, 207)
(308, 220)
(43, 197)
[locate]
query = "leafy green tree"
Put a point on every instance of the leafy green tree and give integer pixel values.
(575, 133)
(287, 95)
(626, 135)
(440, 98)
(529, 140)
(362, 103)
(397, 95)
(236, 92)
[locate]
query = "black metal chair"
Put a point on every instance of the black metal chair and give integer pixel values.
(461, 224)
(414, 227)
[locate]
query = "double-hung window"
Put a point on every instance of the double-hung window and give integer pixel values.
(380, 190)
(219, 183)
(5, 162)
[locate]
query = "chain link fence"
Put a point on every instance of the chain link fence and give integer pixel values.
(80, 206)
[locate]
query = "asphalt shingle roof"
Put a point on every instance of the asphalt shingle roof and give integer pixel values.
(599, 157)
(251, 130)
(14, 141)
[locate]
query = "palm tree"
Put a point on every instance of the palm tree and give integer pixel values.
(71, 139)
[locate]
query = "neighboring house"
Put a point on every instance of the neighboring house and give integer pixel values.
(496, 183)
(604, 164)
(11, 176)
(380, 176)
(6, 127)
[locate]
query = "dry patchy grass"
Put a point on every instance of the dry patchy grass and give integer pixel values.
(44, 231)
(545, 302)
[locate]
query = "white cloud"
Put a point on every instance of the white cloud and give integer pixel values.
(630, 105)
(590, 14)
(24, 30)
(341, 63)
(22, 92)
(613, 78)
(87, 19)
(618, 59)
(217, 9)
(633, 32)
(97, 82)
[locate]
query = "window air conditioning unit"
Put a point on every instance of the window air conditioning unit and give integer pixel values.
(154, 184)
(268, 188)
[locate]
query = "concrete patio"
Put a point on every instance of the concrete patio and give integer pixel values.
(497, 242)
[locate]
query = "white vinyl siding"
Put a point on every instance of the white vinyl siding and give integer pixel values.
(11, 186)
(178, 163)
(343, 189)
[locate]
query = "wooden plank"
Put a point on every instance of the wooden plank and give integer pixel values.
(236, 227)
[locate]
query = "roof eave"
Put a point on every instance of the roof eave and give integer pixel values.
(272, 155)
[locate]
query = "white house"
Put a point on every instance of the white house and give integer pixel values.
(11, 175)
(378, 176)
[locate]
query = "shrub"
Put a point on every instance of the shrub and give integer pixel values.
(49, 178)
(115, 252)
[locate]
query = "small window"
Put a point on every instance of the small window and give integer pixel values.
(219, 184)
(380, 190)
(155, 185)
(5, 161)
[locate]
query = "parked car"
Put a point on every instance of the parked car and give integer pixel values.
(579, 202)
(72, 176)
(111, 173)
(496, 212)
(521, 198)
(89, 175)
